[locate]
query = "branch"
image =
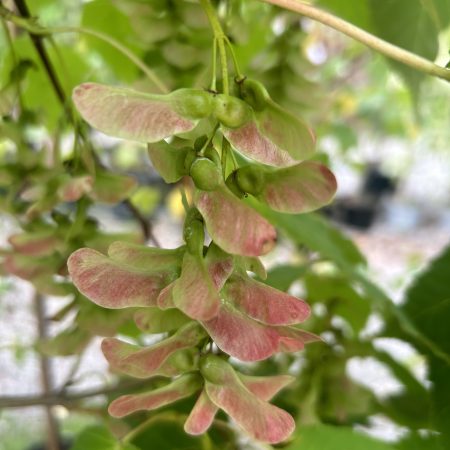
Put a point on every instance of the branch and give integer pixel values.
(46, 373)
(38, 44)
(373, 42)
(145, 225)
(63, 398)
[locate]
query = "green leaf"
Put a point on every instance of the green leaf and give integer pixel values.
(327, 437)
(407, 24)
(427, 305)
(428, 299)
(344, 301)
(316, 233)
(103, 16)
(439, 11)
(415, 441)
(98, 437)
(410, 24)
(356, 12)
(282, 276)
(410, 407)
(165, 432)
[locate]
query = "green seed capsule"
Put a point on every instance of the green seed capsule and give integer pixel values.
(231, 111)
(185, 360)
(255, 94)
(250, 179)
(206, 174)
(215, 369)
(192, 103)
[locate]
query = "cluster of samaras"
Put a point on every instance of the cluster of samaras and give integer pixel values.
(200, 295)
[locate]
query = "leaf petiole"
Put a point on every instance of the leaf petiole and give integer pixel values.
(220, 38)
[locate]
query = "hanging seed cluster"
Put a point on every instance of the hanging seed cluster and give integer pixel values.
(202, 296)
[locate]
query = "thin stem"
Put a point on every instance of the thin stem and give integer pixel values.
(214, 65)
(38, 31)
(64, 69)
(377, 44)
(184, 199)
(146, 227)
(221, 39)
(38, 44)
(239, 75)
(224, 64)
(224, 157)
(63, 398)
(46, 375)
(16, 81)
(119, 47)
(208, 142)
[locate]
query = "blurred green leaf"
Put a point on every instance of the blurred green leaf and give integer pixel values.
(316, 233)
(427, 304)
(282, 276)
(407, 24)
(327, 437)
(103, 16)
(427, 301)
(165, 432)
(415, 441)
(356, 12)
(146, 199)
(98, 437)
(341, 298)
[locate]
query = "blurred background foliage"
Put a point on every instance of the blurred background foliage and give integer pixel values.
(362, 107)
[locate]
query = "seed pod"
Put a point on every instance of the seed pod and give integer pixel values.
(250, 179)
(254, 93)
(231, 112)
(206, 174)
(214, 369)
(192, 103)
(185, 360)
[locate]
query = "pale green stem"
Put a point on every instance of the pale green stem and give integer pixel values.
(220, 38)
(38, 30)
(375, 43)
(214, 65)
(239, 75)
(14, 60)
(184, 199)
